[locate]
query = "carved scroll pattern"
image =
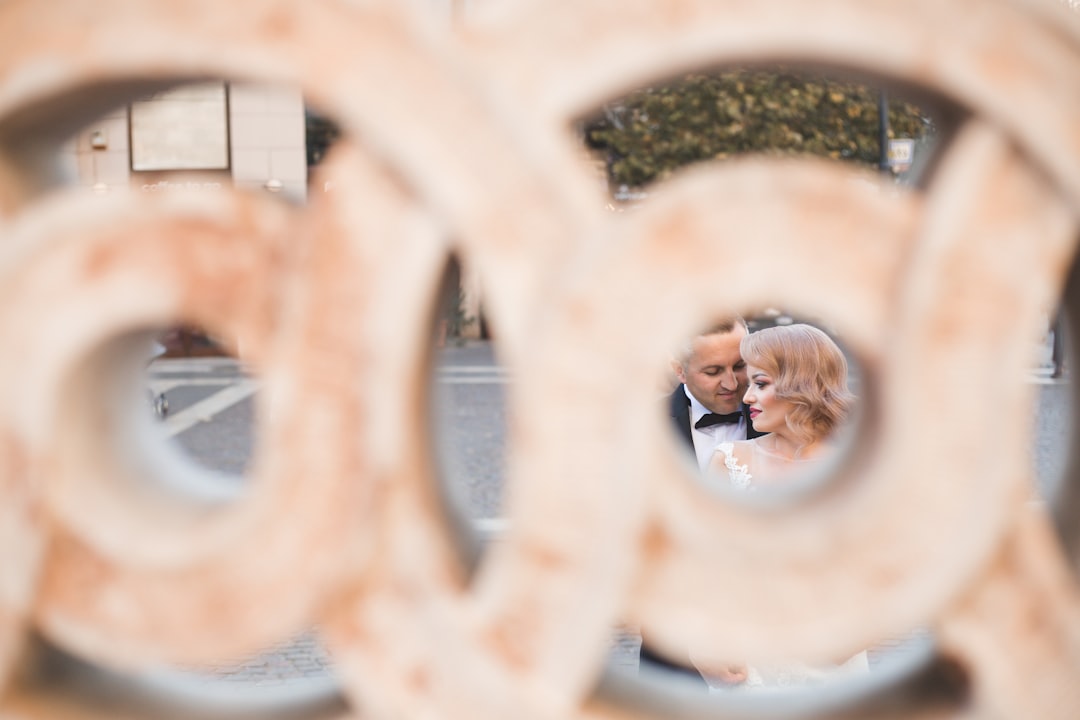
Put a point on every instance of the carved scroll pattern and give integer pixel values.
(461, 141)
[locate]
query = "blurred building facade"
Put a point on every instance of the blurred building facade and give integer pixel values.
(197, 137)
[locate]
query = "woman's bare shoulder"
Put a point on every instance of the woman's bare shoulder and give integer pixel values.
(729, 462)
(736, 451)
(742, 450)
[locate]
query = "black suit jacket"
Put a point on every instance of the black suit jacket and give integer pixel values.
(679, 406)
(679, 409)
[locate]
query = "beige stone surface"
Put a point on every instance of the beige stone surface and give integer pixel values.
(459, 142)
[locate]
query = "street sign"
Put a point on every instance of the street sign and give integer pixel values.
(901, 154)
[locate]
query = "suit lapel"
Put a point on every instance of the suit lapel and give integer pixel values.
(680, 414)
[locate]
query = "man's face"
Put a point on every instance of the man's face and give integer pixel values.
(715, 372)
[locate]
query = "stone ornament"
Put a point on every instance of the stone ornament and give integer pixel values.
(460, 141)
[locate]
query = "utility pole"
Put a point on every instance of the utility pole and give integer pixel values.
(883, 129)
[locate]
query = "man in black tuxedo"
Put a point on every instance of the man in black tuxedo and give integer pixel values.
(707, 409)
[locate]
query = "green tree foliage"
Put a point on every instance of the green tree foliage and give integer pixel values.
(652, 132)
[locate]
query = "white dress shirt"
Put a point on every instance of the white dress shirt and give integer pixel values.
(706, 439)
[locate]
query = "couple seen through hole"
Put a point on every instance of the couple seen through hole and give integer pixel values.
(758, 408)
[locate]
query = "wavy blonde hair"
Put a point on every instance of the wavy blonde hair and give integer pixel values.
(808, 370)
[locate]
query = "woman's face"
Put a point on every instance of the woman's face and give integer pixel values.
(768, 413)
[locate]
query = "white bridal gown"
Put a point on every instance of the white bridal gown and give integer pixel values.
(789, 674)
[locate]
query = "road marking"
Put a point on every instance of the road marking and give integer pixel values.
(491, 528)
(177, 368)
(471, 375)
(159, 385)
(206, 409)
(492, 380)
(1043, 380)
(470, 369)
(1043, 375)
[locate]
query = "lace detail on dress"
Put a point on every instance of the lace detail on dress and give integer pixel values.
(737, 474)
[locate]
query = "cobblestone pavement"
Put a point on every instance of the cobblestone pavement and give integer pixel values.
(299, 659)
(212, 405)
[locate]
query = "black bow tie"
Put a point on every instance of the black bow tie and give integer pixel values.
(710, 419)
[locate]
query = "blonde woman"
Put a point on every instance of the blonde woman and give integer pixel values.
(798, 394)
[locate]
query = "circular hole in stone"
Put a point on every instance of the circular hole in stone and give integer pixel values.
(701, 109)
(896, 685)
(639, 140)
(756, 370)
(137, 485)
(764, 405)
(1051, 379)
(468, 402)
(180, 466)
(175, 409)
(183, 136)
(1055, 461)
(643, 137)
(293, 680)
(204, 399)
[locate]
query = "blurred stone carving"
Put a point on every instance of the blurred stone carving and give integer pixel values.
(458, 140)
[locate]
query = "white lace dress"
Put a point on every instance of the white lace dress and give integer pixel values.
(769, 468)
(738, 475)
(778, 675)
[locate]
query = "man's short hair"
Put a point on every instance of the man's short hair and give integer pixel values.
(722, 326)
(726, 324)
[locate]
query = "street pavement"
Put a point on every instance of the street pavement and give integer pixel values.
(211, 419)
